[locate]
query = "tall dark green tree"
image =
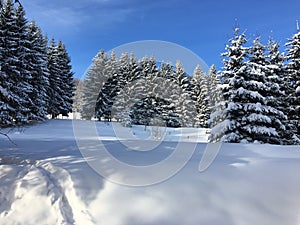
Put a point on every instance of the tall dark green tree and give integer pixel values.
(66, 77)
(38, 67)
(61, 85)
(293, 80)
(13, 109)
(24, 52)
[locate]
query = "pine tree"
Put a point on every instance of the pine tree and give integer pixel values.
(24, 88)
(37, 63)
(214, 84)
(228, 114)
(66, 77)
(93, 83)
(78, 98)
(262, 119)
(6, 96)
(200, 90)
(293, 81)
(277, 83)
(54, 92)
(13, 109)
(121, 108)
(110, 88)
(187, 107)
(145, 107)
(214, 93)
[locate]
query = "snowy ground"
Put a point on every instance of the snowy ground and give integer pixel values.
(45, 180)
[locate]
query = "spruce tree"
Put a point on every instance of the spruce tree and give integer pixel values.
(214, 93)
(214, 84)
(55, 92)
(78, 98)
(170, 90)
(24, 88)
(93, 83)
(200, 90)
(66, 77)
(186, 106)
(13, 103)
(293, 81)
(262, 119)
(277, 96)
(228, 114)
(38, 67)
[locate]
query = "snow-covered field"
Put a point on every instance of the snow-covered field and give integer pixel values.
(44, 179)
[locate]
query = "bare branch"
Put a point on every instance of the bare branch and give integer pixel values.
(7, 136)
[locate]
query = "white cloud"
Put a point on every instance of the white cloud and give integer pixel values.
(70, 16)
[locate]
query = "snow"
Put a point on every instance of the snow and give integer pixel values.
(298, 90)
(45, 180)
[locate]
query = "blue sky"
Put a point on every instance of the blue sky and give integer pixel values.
(86, 26)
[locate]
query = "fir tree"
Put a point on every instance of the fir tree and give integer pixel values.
(200, 90)
(66, 78)
(262, 121)
(214, 84)
(186, 106)
(54, 92)
(276, 93)
(78, 98)
(293, 81)
(228, 114)
(13, 109)
(38, 67)
(93, 83)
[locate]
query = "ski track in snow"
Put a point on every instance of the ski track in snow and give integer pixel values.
(48, 184)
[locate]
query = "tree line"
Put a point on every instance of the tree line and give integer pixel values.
(144, 91)
(253, 98)
(35, 74)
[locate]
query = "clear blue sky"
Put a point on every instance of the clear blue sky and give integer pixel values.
(86, 26)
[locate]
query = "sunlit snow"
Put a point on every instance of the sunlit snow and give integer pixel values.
(45, 180)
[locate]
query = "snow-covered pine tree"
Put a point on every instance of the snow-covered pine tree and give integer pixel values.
(55, 92)
(276, 96)
(169, 88)
(6, 117)
(66, 78)
(78, 98)
(37, 63)
(214, 84)
(293, 88)
(200, 90)
(187, 109)
(121, 109)
(13, 105)
(262, 122)
(24, 88)
(56, 104)
(109, 90)
(93, 83)
(214, 93)
(147, 105)
(228, 114)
